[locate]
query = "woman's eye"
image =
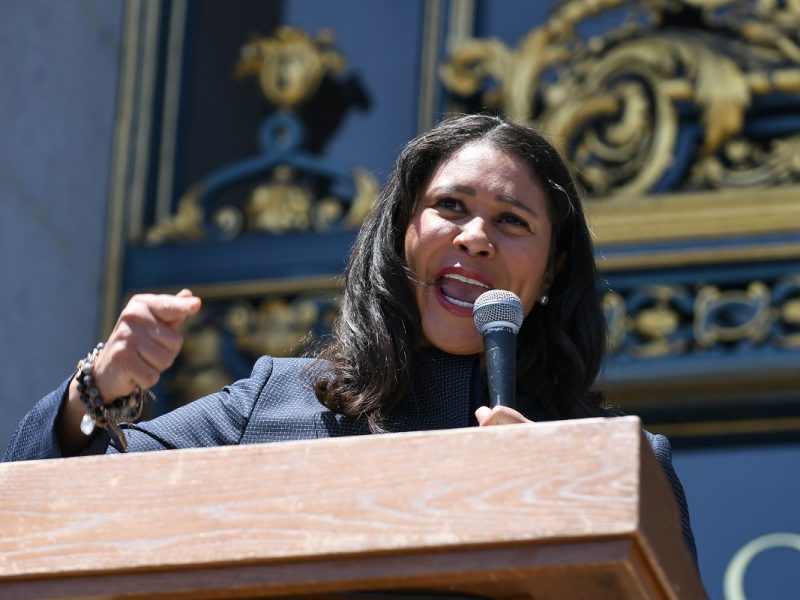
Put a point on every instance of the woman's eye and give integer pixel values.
(512, 219)
(449, 204)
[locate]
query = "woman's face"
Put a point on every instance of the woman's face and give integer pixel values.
(480, 223)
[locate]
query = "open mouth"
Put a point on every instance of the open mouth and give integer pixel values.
(460, 290)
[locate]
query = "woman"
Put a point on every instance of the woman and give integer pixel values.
(476, 203)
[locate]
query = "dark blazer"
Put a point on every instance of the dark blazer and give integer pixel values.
(277, 403)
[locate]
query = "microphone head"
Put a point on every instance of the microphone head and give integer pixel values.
(497, 308)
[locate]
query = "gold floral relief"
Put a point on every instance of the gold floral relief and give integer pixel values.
(754, 302)
(612, 101)
(237, 332)
(287, 193)
(290, 64)
(654, 321)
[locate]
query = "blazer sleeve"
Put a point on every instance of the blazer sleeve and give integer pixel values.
(216, 420)
(663, 452)
(35, 436)
(219, 419)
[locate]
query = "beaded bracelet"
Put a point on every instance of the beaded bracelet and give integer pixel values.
(98, 414)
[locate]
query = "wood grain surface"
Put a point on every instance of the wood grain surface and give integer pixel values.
(483, 508)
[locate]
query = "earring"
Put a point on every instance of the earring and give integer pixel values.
(544, 299)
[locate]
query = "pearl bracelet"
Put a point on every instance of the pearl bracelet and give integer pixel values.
(98, 414)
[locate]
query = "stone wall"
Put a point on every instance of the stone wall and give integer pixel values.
(60, 66)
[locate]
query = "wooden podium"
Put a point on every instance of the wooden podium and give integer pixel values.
(562, 510)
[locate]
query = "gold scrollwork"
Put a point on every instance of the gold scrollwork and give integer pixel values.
(609, 101)
(743, 163)
(656, 325)
(708, 330)
(183, 226)
(657, 322)
(275, 326)
(276, 206)
(662, 320)
(787, 313)
(290, 65)
(279, 206)
(790, 312)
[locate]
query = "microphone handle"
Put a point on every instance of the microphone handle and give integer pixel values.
(500, 344)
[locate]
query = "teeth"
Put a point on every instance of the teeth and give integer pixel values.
(466, 280)
(458, 302)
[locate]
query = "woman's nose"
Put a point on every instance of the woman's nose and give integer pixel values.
(473, 238)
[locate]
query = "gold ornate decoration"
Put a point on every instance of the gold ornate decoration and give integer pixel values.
(708, 331)
(611, 101)
(278, 206)
(746, 163)
(282, 205)
(276, 325)
(787, 312)
(290, 65)
(668, 320)
(657, 323)
(184, 226)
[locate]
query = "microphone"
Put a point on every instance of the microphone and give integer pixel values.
(498, 317)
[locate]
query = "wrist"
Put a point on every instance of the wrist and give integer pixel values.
(99, 413)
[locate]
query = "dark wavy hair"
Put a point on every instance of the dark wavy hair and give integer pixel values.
(560, 345)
